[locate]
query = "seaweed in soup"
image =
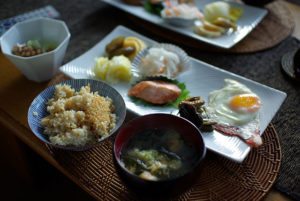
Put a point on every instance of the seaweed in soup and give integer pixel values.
(158, 154)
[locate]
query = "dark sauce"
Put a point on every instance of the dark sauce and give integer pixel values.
(158, 154)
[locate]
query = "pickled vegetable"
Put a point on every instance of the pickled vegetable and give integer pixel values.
(119, 69)
(127, 46)
(136, 43)
(201, 30)
(114, 44)
(126, 51)
(226, 23)
(101, 67)
(212, 27)
(114, 70)
(218, 18)
(217, 9)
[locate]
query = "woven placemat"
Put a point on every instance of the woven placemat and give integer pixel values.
(220, 178)
(274, 28)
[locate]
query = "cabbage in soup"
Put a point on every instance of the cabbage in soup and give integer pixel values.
(158, 154)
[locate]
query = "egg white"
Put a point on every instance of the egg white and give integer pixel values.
(218, 105)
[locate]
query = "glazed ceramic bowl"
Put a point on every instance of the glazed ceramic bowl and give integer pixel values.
(169, 186)
(44, 66)
(38, 110)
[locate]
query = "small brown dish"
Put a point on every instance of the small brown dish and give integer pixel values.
(290, 63)
(151, 128)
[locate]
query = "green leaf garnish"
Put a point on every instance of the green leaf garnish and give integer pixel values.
(183, 95)
(153, 8)
(46, 46)
(35, 44)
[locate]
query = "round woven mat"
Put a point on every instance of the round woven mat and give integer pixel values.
(274, 28)
(220, 178)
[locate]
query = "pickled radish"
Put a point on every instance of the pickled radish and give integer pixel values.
(119, 69)
(100, 69)
(114, 70)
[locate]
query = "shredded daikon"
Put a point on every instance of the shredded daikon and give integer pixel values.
(159, 61)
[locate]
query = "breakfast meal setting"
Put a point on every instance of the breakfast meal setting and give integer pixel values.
(150, 99)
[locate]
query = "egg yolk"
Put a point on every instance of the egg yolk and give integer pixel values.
(245, 103)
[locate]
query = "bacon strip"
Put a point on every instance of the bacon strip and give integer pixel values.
(254, 140)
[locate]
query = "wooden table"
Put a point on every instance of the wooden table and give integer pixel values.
(17, 93)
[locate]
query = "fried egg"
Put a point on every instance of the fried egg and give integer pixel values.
(234, 104)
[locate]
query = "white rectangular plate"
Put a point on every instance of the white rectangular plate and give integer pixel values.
(200, 80)
(250, 19)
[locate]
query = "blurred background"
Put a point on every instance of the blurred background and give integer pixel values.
(26, 176)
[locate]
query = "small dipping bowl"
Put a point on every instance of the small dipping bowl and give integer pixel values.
(290, 63)
(167, 187)
(41, 67)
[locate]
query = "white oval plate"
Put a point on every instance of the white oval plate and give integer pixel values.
(249, 20)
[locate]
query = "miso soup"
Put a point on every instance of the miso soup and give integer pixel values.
(158, 154)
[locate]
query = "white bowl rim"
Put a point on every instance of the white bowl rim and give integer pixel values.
(39, 55)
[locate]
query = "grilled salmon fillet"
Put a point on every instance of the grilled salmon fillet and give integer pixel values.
(156, 92)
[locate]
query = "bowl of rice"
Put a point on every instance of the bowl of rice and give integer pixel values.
(76, 114)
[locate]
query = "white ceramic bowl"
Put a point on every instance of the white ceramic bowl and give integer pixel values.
(44, 66)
